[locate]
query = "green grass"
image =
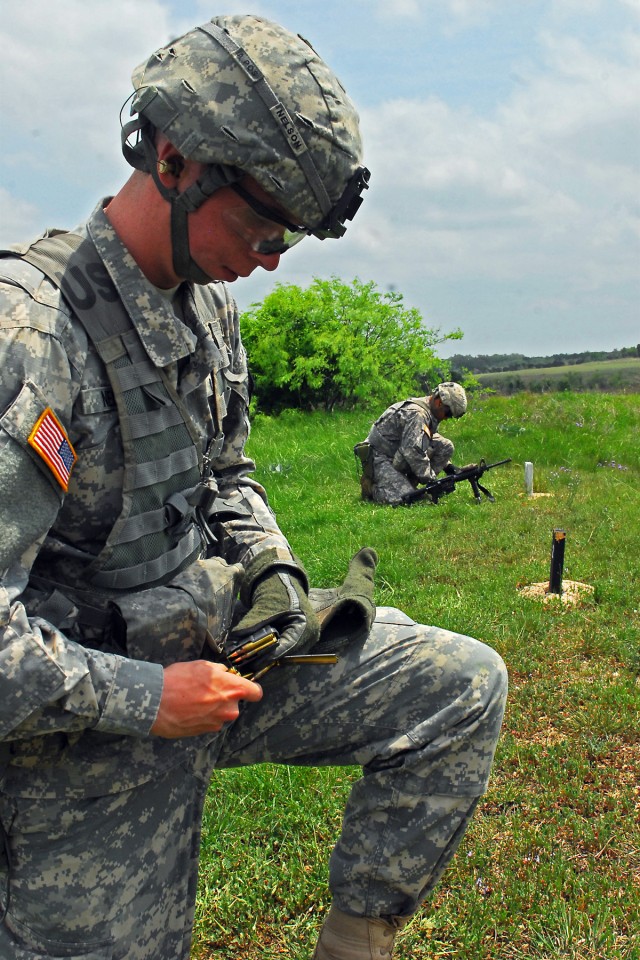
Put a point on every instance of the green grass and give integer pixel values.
(620, 375)
(550, 867)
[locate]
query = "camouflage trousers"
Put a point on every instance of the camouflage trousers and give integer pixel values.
(391, 485)
(418, 708)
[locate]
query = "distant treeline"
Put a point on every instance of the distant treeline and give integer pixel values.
(499, 362)
(621, 375)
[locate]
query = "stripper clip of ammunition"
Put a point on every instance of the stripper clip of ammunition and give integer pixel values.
(254, 648)
(301, 658)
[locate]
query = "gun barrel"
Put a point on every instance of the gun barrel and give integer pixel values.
(499, 463)
(472, 473)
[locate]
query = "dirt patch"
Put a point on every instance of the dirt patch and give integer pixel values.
(573, 593)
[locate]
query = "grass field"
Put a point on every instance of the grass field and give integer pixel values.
(550, 867)
(620, 376)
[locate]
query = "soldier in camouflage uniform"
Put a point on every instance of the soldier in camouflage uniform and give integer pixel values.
(406, 447)
(137, 550)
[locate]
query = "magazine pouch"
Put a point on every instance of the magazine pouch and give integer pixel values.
(184, 619)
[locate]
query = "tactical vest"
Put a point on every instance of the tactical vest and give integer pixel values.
(378, 441)
(166, 492)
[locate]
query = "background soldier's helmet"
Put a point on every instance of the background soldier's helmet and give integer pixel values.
(453, 396)
(245, 96)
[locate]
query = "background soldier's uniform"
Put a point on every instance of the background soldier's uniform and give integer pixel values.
(102, 820)
(407, 450)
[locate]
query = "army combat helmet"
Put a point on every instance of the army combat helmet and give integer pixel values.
(453, 396)
(245, 96)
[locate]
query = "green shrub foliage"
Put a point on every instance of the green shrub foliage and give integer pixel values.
(337, 345)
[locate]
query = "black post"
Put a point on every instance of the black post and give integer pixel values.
(557, 561)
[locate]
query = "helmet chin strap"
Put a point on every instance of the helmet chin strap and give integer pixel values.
(184, 266)
(215, 177)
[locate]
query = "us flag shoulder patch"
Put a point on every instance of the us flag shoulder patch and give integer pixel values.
(49, 439)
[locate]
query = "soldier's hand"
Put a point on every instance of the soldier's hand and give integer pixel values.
(200, 697)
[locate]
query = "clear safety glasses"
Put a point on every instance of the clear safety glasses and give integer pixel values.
(267, 231)
(263, 228)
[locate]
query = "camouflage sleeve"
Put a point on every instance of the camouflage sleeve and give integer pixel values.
(47, 681)
(242, 539)
(415, 443)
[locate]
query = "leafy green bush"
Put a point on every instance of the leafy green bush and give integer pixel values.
(337, 345)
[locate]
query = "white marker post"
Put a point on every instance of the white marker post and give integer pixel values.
(528, 478)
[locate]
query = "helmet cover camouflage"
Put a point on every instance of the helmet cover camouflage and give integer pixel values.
(453, 396)
(204, 93)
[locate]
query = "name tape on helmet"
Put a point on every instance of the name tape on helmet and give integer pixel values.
(295, 141)
(247, 64)
(262, 87)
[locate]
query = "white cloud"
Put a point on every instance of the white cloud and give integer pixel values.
(388, 9)
(50, 47)
(547, 187)
(67, 66)
(471, 11)
(536, 195)
(462, 12)
(19, 219)
(582, 7)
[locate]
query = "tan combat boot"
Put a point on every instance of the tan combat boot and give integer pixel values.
(344, 937)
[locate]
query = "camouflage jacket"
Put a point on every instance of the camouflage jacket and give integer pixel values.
(73, 717)
(403, 434)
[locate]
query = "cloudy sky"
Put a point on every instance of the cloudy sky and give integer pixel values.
(503, 138)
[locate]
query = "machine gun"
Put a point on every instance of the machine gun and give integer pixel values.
(472, 472)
